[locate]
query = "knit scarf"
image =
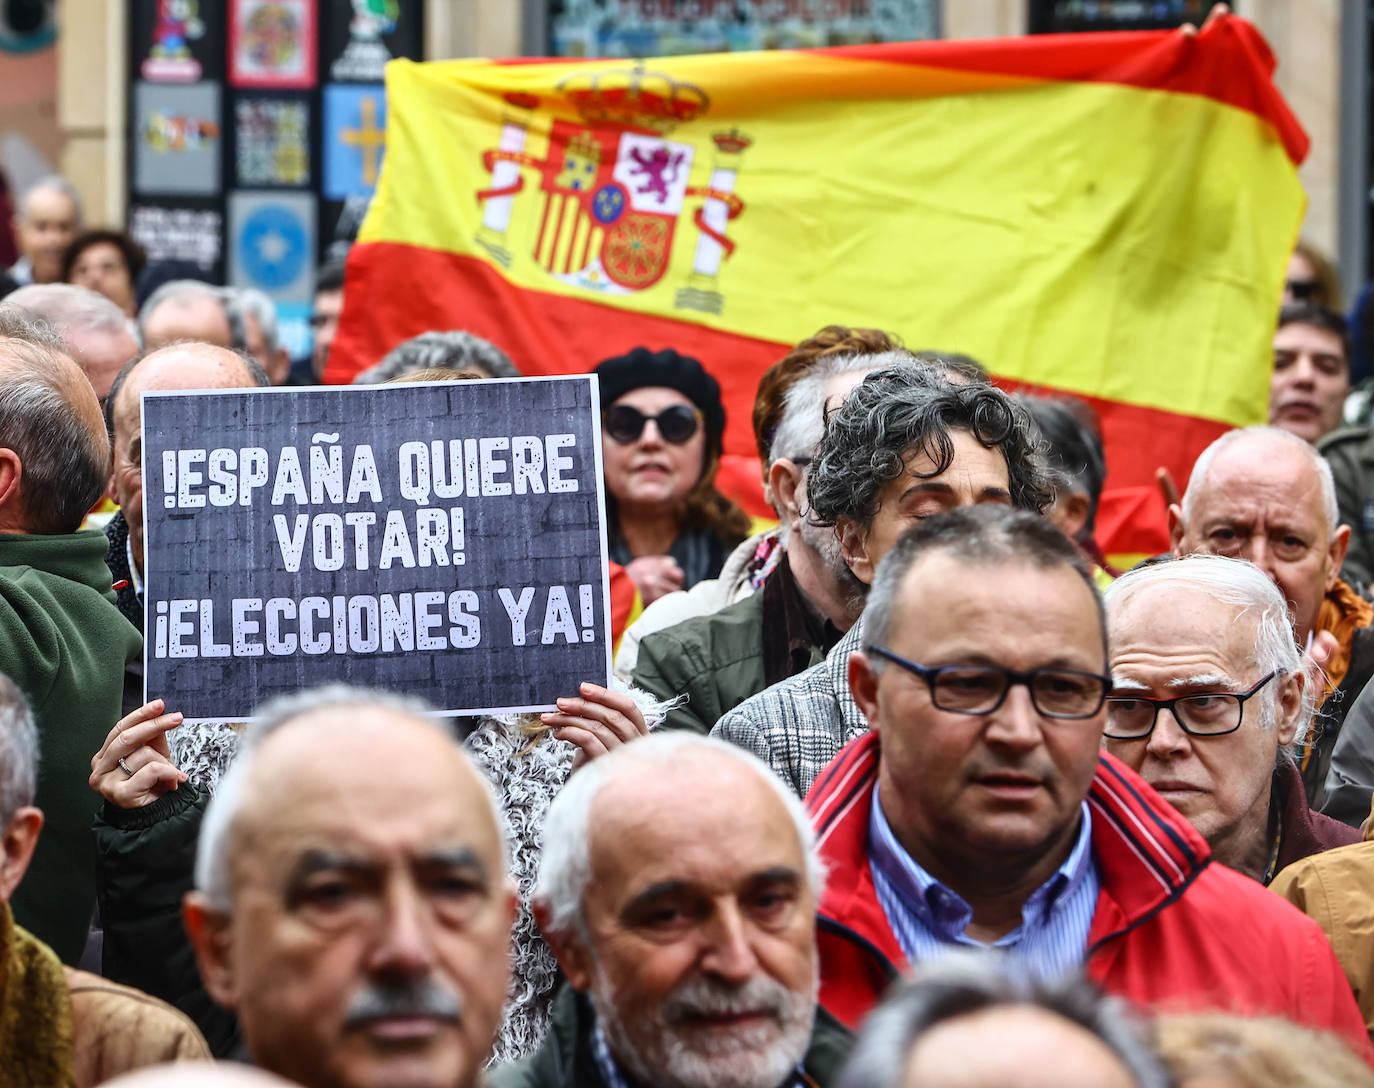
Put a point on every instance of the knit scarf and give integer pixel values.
(1343, 610)
(37, 1033)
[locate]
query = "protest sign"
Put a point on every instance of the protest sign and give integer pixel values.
(444, 540)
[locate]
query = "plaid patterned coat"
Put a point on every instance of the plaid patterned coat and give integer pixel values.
(799, 726)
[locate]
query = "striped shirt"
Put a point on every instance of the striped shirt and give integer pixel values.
(927, 917)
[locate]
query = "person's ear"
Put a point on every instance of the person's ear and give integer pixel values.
(854, 548)
(863, 685)
(567, 947)
(784, 491)
(11, 477)
(1176, 528)
(1291, 688)
(16, 848)
(1340, 544)
(1070, 513)
(208, 930)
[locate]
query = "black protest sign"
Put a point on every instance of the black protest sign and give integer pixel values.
(444, 540)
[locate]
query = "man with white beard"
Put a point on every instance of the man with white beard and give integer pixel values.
(678, 889)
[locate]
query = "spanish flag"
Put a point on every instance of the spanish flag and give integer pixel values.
(1107, 215)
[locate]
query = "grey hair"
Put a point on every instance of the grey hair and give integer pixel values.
(66, 464)
(978, 535)
(181, 289)
(896, 413)
(802, 424)
(1203, 465)
(241, 301)
(214, 871)
(66, 306)
(565, 857)
(1243, 586)
(18, 751)
(453, 350)
(54, 183)
(963, 983)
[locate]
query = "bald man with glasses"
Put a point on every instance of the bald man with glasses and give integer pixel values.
(1209, 699)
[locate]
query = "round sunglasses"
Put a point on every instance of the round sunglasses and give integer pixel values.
(676, 424)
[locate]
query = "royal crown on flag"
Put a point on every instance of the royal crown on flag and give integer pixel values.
(731, 143)
(634, 98)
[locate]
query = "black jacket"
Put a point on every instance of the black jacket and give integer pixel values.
(564, 1060)
(145, 860)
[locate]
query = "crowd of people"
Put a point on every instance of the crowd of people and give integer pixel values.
(907, 785)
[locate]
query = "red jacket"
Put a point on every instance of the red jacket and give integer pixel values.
(1171, 932)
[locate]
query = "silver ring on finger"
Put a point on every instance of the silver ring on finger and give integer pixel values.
(125, 767)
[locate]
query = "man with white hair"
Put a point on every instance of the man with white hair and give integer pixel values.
(803, 607)
(97, 333)
(47, 220)
(186, 310)
(254, 328)
(1265, 495)
(354, 911)
(1209, 696)
(677, 889)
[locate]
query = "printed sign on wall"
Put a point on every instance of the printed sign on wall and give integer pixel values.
(272, 43)
(446, 540)
(272, 243)
(177, 139)
(183, 230)
(178, 41)
(360, 36)
(272, 139)
(354, 139)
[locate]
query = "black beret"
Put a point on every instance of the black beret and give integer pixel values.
(641, 367)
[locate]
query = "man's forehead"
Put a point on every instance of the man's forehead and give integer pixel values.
(49, 203)
(1261, 469)
(1300, 332)
(1183, 624)
(370, 774)
(664, 823)
(199, 366)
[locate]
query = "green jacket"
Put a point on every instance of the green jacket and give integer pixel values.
(1350, 453)
(63, 641)
(565, 1057)
(715, 660)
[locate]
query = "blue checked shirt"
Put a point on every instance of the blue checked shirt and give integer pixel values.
(927, 917)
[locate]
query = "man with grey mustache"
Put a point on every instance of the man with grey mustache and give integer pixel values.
(352, 903)
(677, 888)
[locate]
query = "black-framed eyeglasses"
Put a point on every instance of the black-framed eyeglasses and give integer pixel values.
(676, 424)
(1207, 714)
(1302, 290)
(981, 689)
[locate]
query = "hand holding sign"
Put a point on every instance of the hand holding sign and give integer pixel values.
(598, 722)
(139, 740)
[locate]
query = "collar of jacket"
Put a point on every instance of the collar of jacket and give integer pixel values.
(1305, 831)
(837, 672)
(37, 1029)
(78, 557)
(1147, 855)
